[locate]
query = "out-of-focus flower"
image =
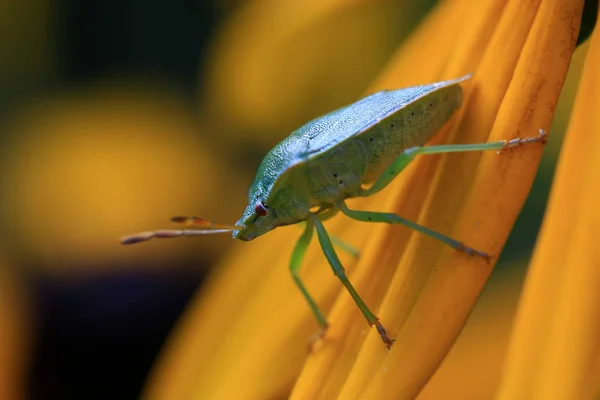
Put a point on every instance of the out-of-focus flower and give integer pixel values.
(244, 337)
(14, 334)
(82, 169)
(274, 63)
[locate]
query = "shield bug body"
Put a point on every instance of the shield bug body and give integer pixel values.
(330, 158)
(355, 151)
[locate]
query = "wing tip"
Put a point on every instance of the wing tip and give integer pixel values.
(462, 78)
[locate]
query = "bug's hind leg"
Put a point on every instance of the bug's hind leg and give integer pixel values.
(372, 216)
(409, 154)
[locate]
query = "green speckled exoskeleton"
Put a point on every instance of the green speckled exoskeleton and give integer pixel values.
(354, 151)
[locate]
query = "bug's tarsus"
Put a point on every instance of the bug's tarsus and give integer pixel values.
(383, 333)
(322, 332)
(475, 253)
(541, 137)
(317, 338)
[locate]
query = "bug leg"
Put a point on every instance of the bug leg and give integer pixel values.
(345, 246)
(372, 216)
(338, 270)
(327, 214)
(295, 263)
(409, 154)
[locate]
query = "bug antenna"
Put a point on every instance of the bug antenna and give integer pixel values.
(203, 223)
(172, 233)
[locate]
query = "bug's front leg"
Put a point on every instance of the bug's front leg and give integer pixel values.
(347, 247)
(338, 242)
(295, 264)
(338, 270)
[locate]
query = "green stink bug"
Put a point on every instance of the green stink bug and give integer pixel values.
(308, 176)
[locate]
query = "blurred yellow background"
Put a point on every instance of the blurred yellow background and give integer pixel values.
(116, 117)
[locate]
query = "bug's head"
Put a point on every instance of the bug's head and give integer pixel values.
(256, 220)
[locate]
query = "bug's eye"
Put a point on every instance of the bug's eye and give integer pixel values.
(260, 209)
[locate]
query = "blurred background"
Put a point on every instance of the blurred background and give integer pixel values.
(117, 115)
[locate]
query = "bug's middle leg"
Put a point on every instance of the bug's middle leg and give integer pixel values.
(338, 270)
(373, 216)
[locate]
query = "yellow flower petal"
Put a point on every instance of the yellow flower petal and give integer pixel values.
(472, 369)
(332, 363)
(500, 185)
(244, 338)
(555, 349)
